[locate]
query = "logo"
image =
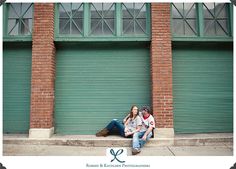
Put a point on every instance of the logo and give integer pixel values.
(116, 158)
(117, 154)
(1, 166)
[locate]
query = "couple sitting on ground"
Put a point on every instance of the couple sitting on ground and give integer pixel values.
(138, 125)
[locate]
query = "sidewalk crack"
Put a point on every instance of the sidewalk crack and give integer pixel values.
(171, 151)
(227, 146)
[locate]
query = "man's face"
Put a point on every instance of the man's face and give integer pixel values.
(144, 112)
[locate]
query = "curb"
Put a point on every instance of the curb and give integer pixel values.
(116, 141)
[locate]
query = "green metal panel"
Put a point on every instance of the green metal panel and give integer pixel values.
(86, 19)
(148, 19)
(231, 23)
(203, 88)
(16, 88)
(118, 24)
(203, 39)
(96, 83)
(200, 22)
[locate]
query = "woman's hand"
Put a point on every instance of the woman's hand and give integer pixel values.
(128, 133)
(126, 130)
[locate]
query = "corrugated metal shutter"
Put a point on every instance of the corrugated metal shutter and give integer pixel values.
(95, 84)
(203, 89)
(16, 88)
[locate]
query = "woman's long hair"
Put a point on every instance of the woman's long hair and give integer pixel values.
(131, 112)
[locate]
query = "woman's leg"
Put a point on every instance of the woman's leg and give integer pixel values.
(111, 125)
(121, 128)
(105, 132)
(118, 124)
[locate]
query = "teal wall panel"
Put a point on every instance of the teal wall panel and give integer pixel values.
(95, 84)
(203, 89)
(16, 89)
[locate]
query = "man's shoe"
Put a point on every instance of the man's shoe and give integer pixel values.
(135, 151)
(104, 132)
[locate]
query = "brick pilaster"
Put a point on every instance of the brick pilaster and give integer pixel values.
(161, 65)
(43, 67)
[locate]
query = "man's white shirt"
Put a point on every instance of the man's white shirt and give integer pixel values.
(146, 122)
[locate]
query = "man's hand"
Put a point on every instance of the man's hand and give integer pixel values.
(144, 138)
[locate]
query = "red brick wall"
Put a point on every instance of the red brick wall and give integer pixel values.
(161, 65)
(43, 67)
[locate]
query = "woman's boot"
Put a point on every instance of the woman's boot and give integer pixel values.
(104, 132)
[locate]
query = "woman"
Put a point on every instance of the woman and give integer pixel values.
(132, 124)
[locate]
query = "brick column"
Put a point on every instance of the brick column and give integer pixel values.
(43, 71)
(161, 68)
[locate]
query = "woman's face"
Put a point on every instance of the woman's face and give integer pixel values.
(135, 110)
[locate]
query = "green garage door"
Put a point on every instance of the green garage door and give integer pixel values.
(96, 83)
(16, 89)
(203, 88)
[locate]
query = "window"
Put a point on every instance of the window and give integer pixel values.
(71, 18)
(20, 19)
(134, 18)
(204, 20)
(102, 20)
(184, 19)
(215, 19)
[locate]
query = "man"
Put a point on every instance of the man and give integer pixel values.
(148, 124)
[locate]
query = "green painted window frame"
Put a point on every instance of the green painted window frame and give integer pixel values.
(117, 27)
(200, 27)
(147, 22)
(113, 34)
(9, 38)
(71, 19)
(185, 19)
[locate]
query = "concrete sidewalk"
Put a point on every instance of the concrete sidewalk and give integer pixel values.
(83, 145)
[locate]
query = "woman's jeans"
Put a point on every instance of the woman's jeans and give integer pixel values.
(116, 124)
(137, 139)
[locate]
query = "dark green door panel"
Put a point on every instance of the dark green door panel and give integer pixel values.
(99, 83)
(16, 89)
(203, 89)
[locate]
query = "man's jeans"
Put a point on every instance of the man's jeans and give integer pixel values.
(137, 139)
(118, 124)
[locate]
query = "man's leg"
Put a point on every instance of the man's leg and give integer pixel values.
(142, 142)
(136, 142)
